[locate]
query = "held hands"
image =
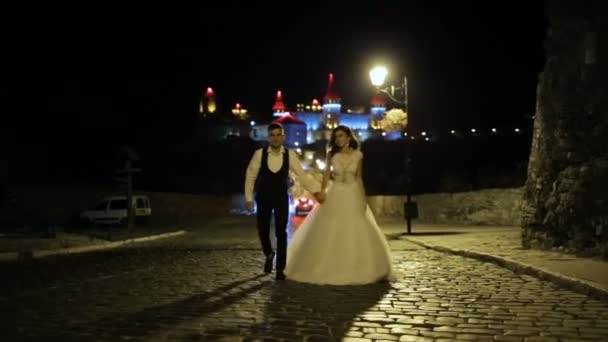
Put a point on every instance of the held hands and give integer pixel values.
(320, 197)
(249, 206)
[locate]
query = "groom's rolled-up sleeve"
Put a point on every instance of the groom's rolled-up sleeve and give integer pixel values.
(252, 174)
(305, 179)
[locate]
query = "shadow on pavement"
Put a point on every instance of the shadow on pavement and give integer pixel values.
(397, 236)
(291, 310)
(155, 321)
(431, 233)
(317, 312)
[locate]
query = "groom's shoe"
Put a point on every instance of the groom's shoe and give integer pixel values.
(280, 275)
(268, 263)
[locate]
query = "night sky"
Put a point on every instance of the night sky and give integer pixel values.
(78, 76)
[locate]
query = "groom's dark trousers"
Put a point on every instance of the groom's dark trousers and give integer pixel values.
(271, 196)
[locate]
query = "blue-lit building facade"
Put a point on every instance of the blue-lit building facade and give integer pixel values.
(309, 123)
(320, 123)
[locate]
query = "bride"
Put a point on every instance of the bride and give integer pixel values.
(339, 242)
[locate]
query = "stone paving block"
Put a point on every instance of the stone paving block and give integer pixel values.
(175, 290)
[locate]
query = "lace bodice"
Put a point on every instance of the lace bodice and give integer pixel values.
(345, 166)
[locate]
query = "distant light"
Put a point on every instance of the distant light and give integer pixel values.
(453, 131)
(299, 150)
(412, 137)
(320, 164)
(296, 143)
(517, 130)
(405, 134)
(360, 133)
(423, 134)
(493, 130)
(473, 130)
(252, 123)
(427, 139)
(383, 134)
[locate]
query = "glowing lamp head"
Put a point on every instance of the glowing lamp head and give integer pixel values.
(378, 75)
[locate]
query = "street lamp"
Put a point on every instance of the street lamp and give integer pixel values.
(378, 75)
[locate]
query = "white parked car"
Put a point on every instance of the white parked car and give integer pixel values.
(113, 210)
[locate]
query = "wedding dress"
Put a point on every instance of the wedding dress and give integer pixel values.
(339, 242)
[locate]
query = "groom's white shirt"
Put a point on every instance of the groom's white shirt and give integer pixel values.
(275, 162)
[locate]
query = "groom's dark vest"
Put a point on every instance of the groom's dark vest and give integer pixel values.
(272, 185)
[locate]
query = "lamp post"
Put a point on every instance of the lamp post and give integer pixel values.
(378, 75)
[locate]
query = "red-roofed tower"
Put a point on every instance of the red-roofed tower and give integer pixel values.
(332, 95)
(207, 104)
(331, 104)
(279, 106)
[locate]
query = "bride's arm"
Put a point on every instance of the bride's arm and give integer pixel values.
(326, 173)
(359, 176)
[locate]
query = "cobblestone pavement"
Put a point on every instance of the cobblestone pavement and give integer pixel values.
(183, 290)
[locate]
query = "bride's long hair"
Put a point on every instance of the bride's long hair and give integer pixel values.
(333, 148)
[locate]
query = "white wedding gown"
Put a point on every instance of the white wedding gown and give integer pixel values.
(339, 242)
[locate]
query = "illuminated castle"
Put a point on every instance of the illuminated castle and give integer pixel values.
(313, 122)
(308, 123)
(320, 120)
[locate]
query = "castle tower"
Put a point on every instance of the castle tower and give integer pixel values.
(332, 106)
(207, 104)
(279, 106)
(377, 110)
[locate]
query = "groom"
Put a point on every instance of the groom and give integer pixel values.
(269, 171)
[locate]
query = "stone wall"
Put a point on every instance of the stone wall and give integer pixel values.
(58, 205)
(485, 207)
(565, 197)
